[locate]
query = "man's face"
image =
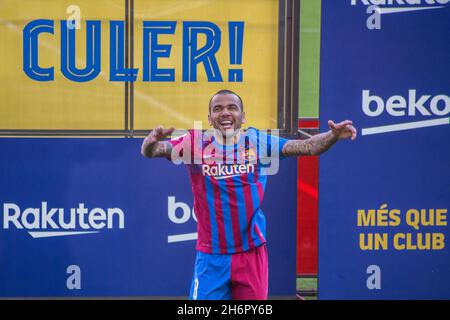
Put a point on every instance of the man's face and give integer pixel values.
(225, 114)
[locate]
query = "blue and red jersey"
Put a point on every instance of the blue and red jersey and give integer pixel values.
(228, 184)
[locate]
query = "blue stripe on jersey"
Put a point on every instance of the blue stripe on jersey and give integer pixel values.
(262, 179)
(256, 204)
(212, 215)
(226, 215)
(241, 211)
(260, 219)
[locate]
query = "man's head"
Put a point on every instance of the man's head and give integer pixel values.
(226, 112)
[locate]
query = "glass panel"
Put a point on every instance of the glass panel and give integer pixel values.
(60, 104)
(178, 103)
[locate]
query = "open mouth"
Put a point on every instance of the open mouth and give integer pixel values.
(226, 124)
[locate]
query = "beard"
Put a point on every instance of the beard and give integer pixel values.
(230, 133)
(227, 135)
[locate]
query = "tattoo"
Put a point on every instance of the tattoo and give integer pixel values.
(156, 149)
(313, 146)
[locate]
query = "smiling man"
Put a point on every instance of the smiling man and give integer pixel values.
(228, 168)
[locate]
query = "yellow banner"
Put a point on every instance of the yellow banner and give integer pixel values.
(248, 36)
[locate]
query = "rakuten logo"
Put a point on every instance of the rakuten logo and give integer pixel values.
(410, 105)
(376, 8)
(222, 171)
(53, 222)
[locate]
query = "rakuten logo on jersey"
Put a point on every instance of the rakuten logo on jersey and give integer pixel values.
(436, 107)
(376, 8)
(54, 222)
(223, 171)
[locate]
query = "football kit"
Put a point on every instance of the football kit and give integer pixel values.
(228, 184)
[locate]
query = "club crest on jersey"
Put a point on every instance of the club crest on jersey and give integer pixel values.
(248, 155)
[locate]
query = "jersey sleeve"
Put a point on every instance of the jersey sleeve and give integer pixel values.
(177, 140)
(268, 145)
(278, 143)
(178, 146)
(186, 148)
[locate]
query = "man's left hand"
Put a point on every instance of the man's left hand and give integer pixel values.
(343, 130)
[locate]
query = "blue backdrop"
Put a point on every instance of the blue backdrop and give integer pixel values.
(405, 64)
(135, 260)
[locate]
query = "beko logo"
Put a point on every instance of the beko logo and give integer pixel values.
(377, 8)
(53, 222)
(436, 107)
(180, 213)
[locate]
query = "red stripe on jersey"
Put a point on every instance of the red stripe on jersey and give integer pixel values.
(248, 207)
(219, 218)
(202, 211)
(231, 190)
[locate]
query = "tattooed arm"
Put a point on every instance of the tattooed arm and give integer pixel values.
(153, 147)
(320, 143)
(313, 146)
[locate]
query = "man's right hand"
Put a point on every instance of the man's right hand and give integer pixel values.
(158, 134)
(152, 146)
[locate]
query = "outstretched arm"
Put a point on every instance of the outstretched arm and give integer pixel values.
(320, 143)
(153, 147)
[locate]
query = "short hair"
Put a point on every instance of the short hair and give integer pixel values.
(225, 91)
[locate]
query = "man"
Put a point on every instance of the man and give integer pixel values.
(228, 169)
